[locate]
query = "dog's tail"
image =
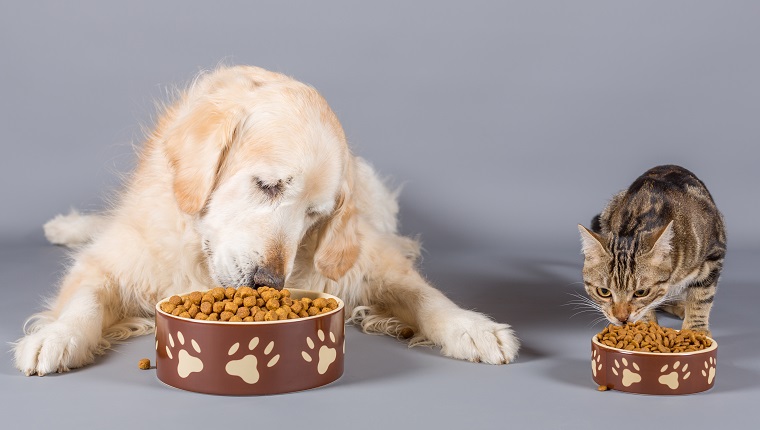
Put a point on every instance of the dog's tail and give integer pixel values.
(74, 229)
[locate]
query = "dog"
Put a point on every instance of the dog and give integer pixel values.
(246, 179)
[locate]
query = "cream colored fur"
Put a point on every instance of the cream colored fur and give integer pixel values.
(247, 178)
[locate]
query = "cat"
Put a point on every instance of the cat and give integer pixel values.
(658, 244)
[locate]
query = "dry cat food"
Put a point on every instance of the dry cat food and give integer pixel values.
(245, 304)
(144, 364)
(650, 337)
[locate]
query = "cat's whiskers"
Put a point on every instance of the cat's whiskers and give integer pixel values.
(598, 320)
(583, 303)
(654, 305)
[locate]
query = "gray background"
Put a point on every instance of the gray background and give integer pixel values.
(507, 124)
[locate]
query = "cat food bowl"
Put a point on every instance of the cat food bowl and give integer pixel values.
(251, 358)
(653, 373)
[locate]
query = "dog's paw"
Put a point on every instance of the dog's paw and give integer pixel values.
(70, 230)
(55, 347)
(475, 337)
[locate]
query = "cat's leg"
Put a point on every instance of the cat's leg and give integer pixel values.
(650, 316)
(676, 309)
(699, 301)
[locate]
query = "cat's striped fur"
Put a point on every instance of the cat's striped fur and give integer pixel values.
(658, 244)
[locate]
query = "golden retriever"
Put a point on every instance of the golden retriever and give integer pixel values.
(247, 179)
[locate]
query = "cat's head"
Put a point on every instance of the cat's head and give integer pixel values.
(627, 276)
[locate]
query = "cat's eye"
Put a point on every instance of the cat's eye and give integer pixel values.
(603, 292)
(641, 293)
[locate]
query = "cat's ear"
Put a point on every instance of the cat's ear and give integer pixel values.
(593, 246)
(661, 245)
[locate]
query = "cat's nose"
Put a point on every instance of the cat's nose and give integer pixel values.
(621, 315)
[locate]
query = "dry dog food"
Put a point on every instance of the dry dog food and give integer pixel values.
(143, 364)
(650, 337)
(245, 304)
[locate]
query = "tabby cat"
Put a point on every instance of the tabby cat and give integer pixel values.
(658, 244)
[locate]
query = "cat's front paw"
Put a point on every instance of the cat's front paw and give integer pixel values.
(701, 329)
(472, 336)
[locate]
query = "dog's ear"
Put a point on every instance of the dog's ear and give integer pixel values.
(339, 238)
(196, 145)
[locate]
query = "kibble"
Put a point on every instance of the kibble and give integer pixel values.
(144, 364)
(650, 337)
(406, 333)
(245, 304)
(207, 307)
(218, 293)
(218, 307)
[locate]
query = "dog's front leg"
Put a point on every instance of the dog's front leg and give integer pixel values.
(403, 295)
(70, 333)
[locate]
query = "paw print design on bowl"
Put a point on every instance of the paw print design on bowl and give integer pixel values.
(673, 379)
(247, 368)
(325, 353)
(709, 370)
(186, 363)
(596, 363)
(629, 377)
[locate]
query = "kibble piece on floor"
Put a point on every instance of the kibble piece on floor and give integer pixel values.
(144, 364)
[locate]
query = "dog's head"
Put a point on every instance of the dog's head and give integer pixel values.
(259, 160)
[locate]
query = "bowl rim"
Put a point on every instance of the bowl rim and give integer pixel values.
(657, 354)
(319, 294)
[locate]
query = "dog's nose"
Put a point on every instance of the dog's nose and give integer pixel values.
(268, 277)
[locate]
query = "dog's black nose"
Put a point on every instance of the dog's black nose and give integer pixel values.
(268, 277)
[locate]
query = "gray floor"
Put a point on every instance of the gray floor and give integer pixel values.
(385, 383)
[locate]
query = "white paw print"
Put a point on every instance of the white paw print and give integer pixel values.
(709, 370)
(596, 362)
(247, 367)
(327, 355)
(629, 377)
(186, 363)
(672, 379)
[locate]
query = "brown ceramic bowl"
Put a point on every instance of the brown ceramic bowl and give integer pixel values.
(653, 373)
(244, 358)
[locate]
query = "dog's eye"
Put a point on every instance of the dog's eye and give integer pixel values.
(271, 190)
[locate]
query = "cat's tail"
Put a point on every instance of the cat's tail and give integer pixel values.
(596, 223)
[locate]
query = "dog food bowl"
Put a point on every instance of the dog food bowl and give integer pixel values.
(250, 358)
(653, 373)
